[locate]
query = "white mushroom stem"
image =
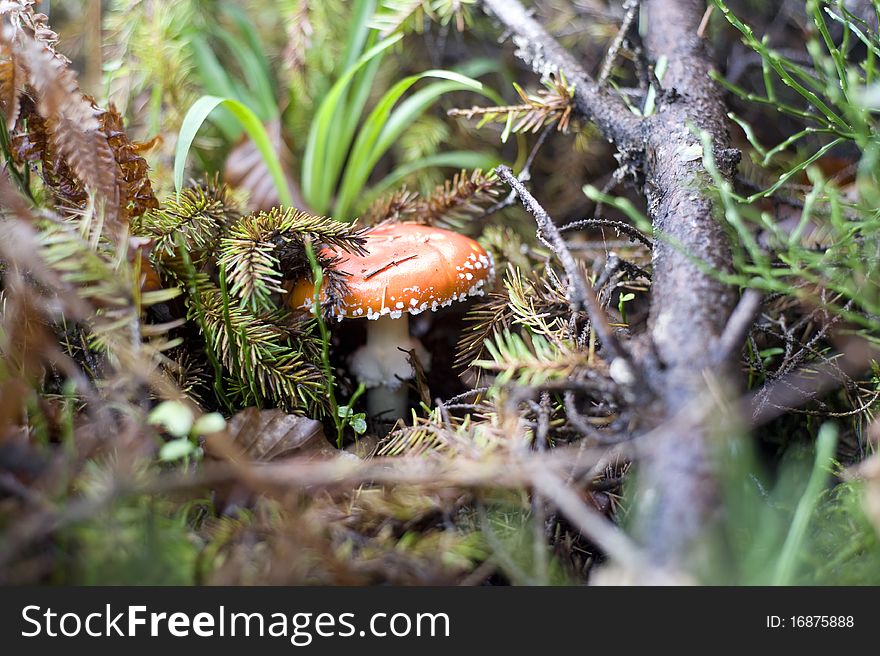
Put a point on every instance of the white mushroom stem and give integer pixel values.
(383, 367)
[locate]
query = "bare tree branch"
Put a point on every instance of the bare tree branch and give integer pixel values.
(631, 10)
(690, 307)
(581, 294)
(590, 523)
(541, 51)
(737, 329)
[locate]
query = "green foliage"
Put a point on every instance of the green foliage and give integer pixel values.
(147, 53)
(135, 541)
(197, 217)
(843, 547)
(266, 359)
(833, 243)
(423, 138)
(384, 126)
(231, 269)
(338, 154)
(517, 544)
(530, 359)
(410, 15)
(344, 144)
(95, 274)
(253, 85)
(177, 419)
(251, 123)
(249, 251)
(791, 526)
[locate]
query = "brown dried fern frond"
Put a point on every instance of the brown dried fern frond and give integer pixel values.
(552, 104)
(71, 121)
(133, 174)
(82, 148)
(31, 145)
(21, 17)
(12, 81)
(299, 33)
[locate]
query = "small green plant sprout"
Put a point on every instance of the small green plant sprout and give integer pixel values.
(178, 420)
(621, 305)
(348, 417)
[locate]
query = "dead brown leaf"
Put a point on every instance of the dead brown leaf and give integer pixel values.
(265, 435)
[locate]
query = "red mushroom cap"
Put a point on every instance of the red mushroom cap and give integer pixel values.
(407, 268)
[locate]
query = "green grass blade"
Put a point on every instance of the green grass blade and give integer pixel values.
(251, 36)
(348, 116)
(322, 133)
(368, 149)
(214, 77)
(826, 443)
(360, 28)
(216, 82)
(416, 104)
(198, 114)
(258, 84)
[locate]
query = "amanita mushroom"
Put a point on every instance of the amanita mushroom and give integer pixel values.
(408, 268)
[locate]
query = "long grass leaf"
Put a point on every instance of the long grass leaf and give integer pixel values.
(367, 150)
(198, 114)
(321, 132)
(826, 443)
(259, 85)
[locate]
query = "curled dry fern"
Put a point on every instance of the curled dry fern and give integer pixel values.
(76, 253)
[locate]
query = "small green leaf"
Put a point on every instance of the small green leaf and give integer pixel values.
(212, 422)
(359, 423)
(173, 416)
(177, 450)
